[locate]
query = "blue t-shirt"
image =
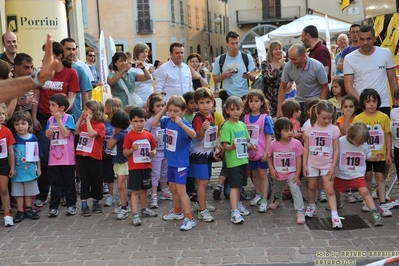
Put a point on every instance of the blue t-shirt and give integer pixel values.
(85, 86)
(179, 157)
(26, 171)
(119, 137)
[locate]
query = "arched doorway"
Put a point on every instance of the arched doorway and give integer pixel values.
(248, 40)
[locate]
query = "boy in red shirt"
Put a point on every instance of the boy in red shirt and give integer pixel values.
(139, 148)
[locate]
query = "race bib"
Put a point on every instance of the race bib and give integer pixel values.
(320, 142)
(3, 148)
(56, 137)
(170, 139)
(395, 129)
(32, 151)
(85, 143)
(376, 140)
(284, 162)
(241, 147)
(105, 144)
(253, 131)
(160, 138)
(142, 154)
(353, 161)
(210, 137)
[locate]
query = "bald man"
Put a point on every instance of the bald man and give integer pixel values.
(309, 75)
(10, 43)
(343, 42)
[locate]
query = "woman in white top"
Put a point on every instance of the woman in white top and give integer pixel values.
(143, 88)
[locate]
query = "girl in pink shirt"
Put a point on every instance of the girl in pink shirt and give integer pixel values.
(320, 157)
(285, 162)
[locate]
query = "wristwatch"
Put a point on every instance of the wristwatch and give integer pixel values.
(34, 76)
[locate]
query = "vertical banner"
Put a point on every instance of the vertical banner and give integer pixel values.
(327, 33)
(31, 21)
(106, 90)
(112, 46)
(260, 48)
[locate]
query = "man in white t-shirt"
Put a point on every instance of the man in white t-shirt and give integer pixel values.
(369, 67)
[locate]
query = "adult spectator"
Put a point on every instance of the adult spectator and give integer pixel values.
(272, 71)
(69, 47)
(13, 88)
(65, 80)
(318, 51)
(122, 80)
(173, 77)
(143, 88)
(234, 72)
(23, 66)
(10, 43)
(194, 61)
(369, 67)
(343, 42)
(91, 63)
(309, 75)
(354, 36)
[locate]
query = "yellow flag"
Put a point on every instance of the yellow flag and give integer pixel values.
(345, 4)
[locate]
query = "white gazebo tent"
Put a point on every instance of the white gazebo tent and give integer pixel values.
(289, 33)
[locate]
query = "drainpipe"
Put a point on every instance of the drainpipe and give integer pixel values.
(98, 20)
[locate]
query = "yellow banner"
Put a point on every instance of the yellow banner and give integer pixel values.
(345, 4)
(32, 20)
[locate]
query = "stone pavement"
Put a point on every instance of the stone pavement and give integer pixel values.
(265, 238)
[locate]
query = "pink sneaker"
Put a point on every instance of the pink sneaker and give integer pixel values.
(274, 204)
(300, 218)
(167, 195)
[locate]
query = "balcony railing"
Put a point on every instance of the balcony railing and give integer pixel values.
(248, 16)
(144, 26)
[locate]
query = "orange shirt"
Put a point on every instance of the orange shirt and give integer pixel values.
(88, 146)
(130, 139)
(341, 120)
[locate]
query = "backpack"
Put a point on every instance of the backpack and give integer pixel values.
(223, 58)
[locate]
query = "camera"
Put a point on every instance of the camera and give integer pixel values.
(156, 63)
(134, 65)
(234, 70)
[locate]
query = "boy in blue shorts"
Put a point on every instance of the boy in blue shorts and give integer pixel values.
(235, 141)
(178, 135)
(201, 151)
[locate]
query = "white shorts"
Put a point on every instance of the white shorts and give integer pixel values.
(315, 172)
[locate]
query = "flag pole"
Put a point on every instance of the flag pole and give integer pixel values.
(311, 11)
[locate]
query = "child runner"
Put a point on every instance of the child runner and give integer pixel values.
(201, 151)
(260, 129)
(292, 110)
(155, 104)
(139, 148)
(178, 135)
(189, 116)
(59, 130)
(27, 166)
(91, 131)
(285, 164)
(120, 122)
(336, 94)
(236, 141)
(348, 106)
(380, 141)
(112, 105)
(7, 164)
(353, 153)
(320, 157)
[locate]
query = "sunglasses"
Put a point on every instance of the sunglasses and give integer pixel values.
(91, 55)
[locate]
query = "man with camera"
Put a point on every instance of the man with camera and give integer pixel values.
(234, 71)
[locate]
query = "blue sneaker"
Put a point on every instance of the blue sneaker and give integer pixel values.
(188, 224)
